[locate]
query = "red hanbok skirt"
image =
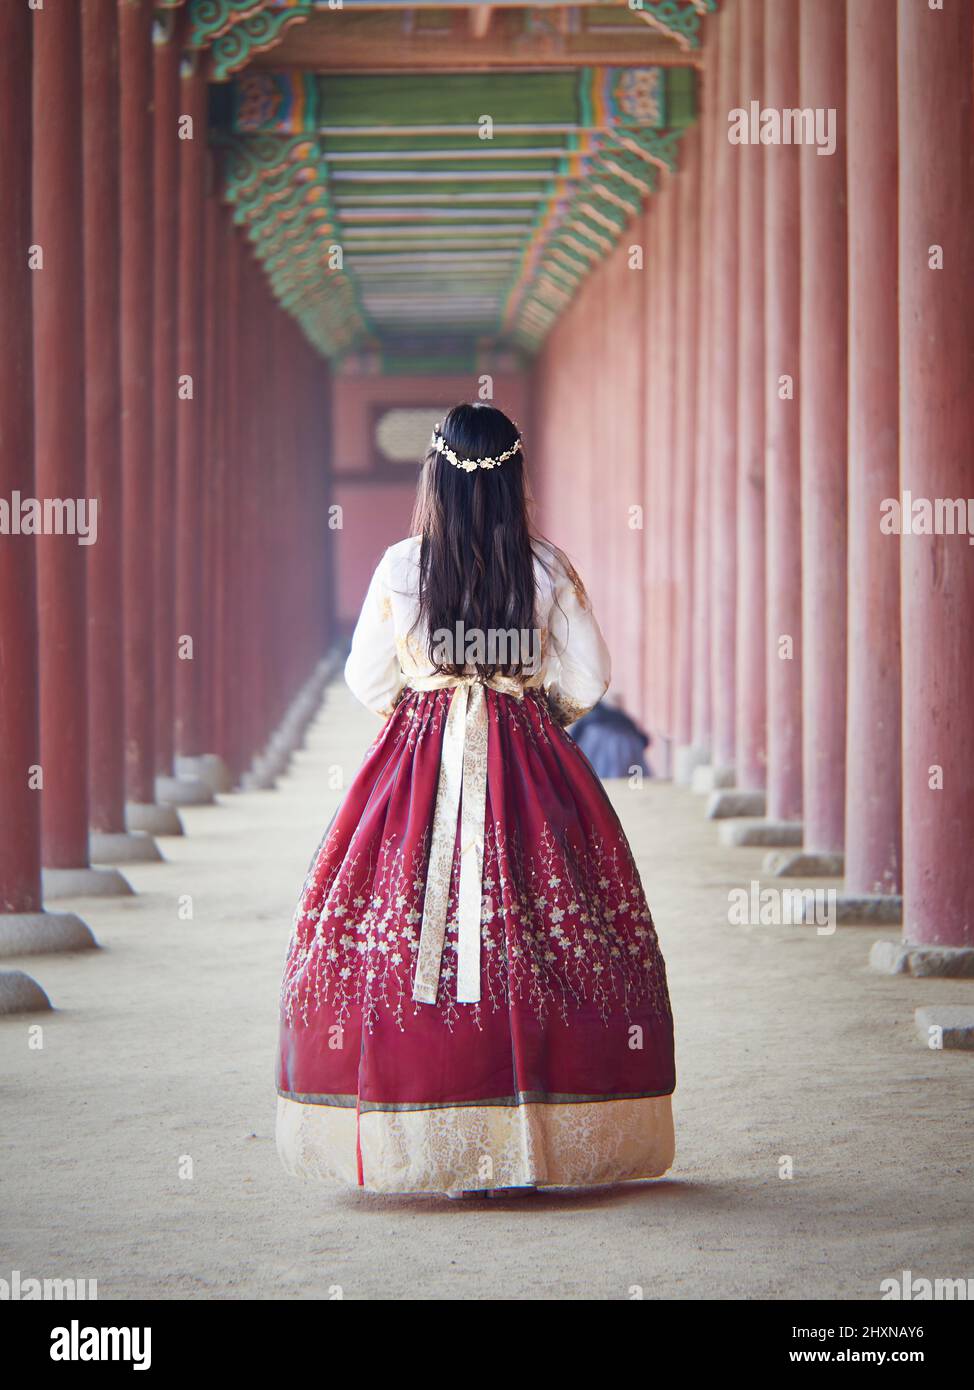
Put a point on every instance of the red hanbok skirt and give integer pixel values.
(562, 1074)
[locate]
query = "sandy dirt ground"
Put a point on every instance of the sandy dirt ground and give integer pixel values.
(162, 1050)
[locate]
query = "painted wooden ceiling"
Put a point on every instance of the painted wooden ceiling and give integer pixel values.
(429, 186)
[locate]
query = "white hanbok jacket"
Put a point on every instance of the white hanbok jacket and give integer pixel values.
(390, 649)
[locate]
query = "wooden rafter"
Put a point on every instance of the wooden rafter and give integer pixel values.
(381, 203)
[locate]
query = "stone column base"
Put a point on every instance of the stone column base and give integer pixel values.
(706, 779)
(152, 818)
(183, 791)
(42, 933)
(727, 804)
(687, 757)
(955, 1022)
(289, 736)
(868, 910)
(19, 994)
(262, 775)
(659, 756)
(84, 883)
(905, 958)
(766, 834)
(208, 768)
(273, 761)
(859, 911)
(277, 755)
(109, 847)
(804, 864)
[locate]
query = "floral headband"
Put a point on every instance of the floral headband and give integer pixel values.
(440, 446)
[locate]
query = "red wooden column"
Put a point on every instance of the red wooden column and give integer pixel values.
(824, 439)
(702, 735)
(278, 419)
(319, 577)
(24, 927)
(620, 371)
(135, 61)
(588, 419)
(306, 510)
(244, 468)
(625, 373)
(188, 653)
(165, 168)
(750, 760)
(321, 467)
(99, 56)
(723, 434)
(312, 482)
(257, 350)
(262, 605)
(686, 346)
(634, 367)
(224, 618)
(936, 346)
(652, 469)
(231, 715)
(662, 501)
(109, 840)
(782, 318)
(232, 614)
(59, 433)
(282, 550)
(302, 508)
(20, 826)
(873, 785)
(269, 575)
(597, 580)
(286, 520)
(214, 768)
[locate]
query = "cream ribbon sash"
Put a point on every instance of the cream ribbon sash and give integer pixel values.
(461, 792)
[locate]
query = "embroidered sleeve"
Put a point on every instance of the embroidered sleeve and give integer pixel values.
(580, 665)
(372, 671)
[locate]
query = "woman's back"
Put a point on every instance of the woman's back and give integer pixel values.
(563, 648)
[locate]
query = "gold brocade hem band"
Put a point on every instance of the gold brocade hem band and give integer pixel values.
(350, 1102)
(474, 1147)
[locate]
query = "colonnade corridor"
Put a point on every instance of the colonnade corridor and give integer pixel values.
(158, 1063)
(710, 263)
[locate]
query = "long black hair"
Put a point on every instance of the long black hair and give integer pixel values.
(477, 551)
